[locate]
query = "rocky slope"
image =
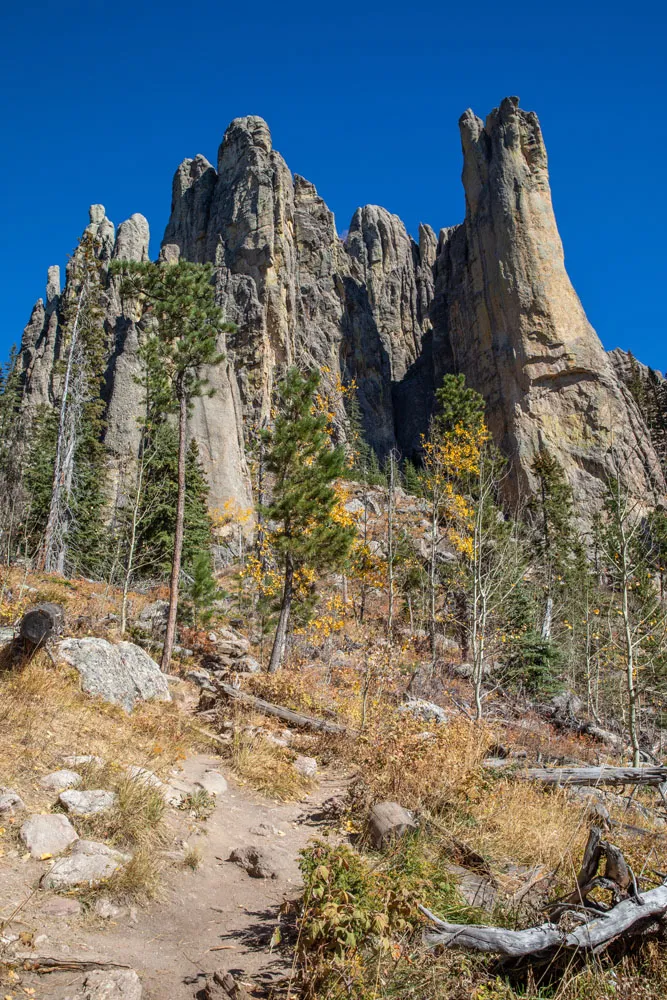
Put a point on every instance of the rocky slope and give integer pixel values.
(490, 298)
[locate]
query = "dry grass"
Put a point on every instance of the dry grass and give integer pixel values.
(267, 768)
(44, 717)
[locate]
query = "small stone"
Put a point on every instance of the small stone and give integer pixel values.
(87, 803)
(254, 861)
(77, 760)
(88, 864)
(307, 766)
(389, 821)
(57, 781)
(212, 637)
(61, 906)
(266, 830)
(112, 984)
(212, 782)
(106, 910)
(48, 834)
(10, 802)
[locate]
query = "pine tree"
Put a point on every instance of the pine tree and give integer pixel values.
(304, 465)
(158, 504)
(202, 590)
(458, 405)
(182, 342)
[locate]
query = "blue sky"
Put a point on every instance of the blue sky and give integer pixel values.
(103, 100)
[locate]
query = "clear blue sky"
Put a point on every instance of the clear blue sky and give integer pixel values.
(104, 99)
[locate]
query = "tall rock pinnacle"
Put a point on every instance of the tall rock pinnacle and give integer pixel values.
(489, 298)
(515, 325)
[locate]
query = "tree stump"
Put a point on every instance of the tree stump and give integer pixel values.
(41, 623)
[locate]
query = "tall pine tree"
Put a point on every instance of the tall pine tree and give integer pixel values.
(304, 465)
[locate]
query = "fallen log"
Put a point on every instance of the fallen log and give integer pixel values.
(628, 917)
(595, 775)
(286, 714)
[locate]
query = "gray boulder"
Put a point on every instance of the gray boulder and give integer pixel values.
(427, 711)
(112, 984)
(212, 782)
(59, 780)
(153, 618)
(307, 766)
(48, 834)
(88, 864)
(87, 803)
(120, 673)
(10, 802)
(389, 821)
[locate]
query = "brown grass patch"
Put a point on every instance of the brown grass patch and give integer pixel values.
(267, 767)
(44, 717)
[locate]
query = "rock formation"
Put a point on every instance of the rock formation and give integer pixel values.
(490, 298)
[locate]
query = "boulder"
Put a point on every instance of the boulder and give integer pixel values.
(10, 802)
(427, 711)
(59, 780)
(248, 665)
(87, 803)
(121, 673)
(254, 861)
(112, 984)
(153, 618)
(89, 864)
(567, 705)
(202, 679)
(212, 782)
(51, 833)
(389, 821)
(307, 766)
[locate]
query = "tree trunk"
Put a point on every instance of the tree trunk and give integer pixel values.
(278, 651)
(52, 556)
(178, 537)
(431, 582)
(390, 549)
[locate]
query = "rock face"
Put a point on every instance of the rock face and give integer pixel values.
(120, 673)
(489, 298)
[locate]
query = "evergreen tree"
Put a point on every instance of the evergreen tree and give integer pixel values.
(38, 474)
(202, 589)
(304, 465)
(181, 343)
(158, 504)
(459, 406)
(556, 543)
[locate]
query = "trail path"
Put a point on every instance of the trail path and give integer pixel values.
(215, 917)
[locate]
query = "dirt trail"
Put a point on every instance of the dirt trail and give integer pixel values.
(215, 917)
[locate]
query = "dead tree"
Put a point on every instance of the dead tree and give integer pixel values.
(577, 922)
